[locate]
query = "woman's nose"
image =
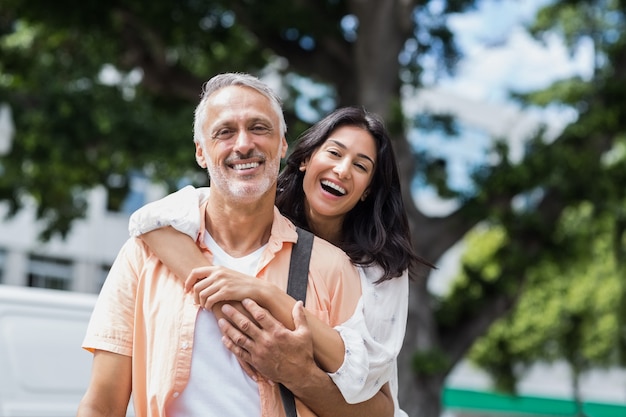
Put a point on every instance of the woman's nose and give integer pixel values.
(342, 169)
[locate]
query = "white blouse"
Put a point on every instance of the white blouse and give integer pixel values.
(372, 336)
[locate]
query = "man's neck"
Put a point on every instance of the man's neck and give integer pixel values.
(239, 229)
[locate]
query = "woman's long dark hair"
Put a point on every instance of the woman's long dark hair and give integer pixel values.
(375, 230)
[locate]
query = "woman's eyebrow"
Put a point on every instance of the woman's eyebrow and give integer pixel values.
(360, 155)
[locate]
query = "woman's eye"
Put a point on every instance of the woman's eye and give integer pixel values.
(333, 152)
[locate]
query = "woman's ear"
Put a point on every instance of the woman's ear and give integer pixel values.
(365, 194)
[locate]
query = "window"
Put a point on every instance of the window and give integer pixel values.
(126, 193)
(49, 273)
(104, 271)
(3, 262)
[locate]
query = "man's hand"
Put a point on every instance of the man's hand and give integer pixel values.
(286, 356)
(275, 352)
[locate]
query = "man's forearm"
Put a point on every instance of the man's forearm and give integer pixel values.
(285, 356)
(321, 395)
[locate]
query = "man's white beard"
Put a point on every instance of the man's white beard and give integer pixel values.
(240, 188)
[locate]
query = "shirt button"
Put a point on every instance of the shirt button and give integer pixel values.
(185, 345)
(176, 394)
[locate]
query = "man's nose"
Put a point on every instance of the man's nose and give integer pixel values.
(243, 142)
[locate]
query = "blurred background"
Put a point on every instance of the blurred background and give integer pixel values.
(508, 119)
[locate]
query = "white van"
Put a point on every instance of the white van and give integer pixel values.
(43, 370)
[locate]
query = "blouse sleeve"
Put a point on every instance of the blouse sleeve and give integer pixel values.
(179, 210)
(379, 329)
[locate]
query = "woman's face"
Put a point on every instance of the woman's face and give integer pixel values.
(338, 173)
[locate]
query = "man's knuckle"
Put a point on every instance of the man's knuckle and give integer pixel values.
(240, 340)
(244, 325)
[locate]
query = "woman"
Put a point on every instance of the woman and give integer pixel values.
(341, 183)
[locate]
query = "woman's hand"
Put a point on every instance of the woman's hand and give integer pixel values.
(212, 284)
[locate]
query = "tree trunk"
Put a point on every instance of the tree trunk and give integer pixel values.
(419, 394)
(424, 399)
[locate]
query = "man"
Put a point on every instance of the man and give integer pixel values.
(147, 334)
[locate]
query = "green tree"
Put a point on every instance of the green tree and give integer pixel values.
(79, 125)
(572, 306)
(569, 311)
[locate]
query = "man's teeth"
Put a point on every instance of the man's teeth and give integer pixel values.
(334, 186)
(246, 166)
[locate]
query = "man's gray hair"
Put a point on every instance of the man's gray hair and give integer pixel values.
(234, 79)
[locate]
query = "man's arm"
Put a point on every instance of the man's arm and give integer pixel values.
(284, 356)
(110, 387)
(183, 257)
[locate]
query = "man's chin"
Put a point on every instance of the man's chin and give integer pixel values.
(247, 192)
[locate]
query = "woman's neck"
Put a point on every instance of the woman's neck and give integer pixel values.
(330, 231)
(329, 228)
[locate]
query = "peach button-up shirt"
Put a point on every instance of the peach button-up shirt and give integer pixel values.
(144, 312)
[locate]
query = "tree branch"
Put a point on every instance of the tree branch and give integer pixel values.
(146, 50)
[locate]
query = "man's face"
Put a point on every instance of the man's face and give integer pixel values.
(242, 145)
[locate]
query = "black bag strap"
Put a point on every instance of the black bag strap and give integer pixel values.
(296, 287)
(299, 265)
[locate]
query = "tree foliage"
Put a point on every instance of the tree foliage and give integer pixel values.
(572, 296)
(102, 89)
(569, 310)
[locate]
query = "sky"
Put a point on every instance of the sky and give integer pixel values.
(499, 57)
(518, 62)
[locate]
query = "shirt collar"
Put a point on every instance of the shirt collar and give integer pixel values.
(283, 230)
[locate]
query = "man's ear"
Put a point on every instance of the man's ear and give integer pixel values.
(284, 147)
(200, 156)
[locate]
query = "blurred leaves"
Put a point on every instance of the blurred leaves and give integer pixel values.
(567, 311)
(100, 90)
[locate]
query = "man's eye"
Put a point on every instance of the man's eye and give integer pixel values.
(223, 134)
(260, 129)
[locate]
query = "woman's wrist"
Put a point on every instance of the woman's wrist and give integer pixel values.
(265, 294)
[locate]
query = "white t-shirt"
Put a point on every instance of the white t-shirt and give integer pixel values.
(372, 336)
(218, 386)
